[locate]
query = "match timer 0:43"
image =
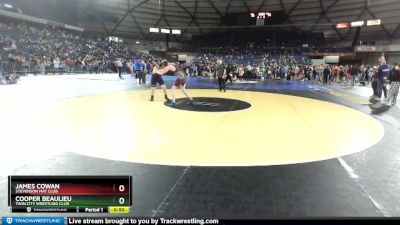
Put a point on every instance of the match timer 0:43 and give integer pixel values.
(82, 194)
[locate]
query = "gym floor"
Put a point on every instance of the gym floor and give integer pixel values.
(262, 149)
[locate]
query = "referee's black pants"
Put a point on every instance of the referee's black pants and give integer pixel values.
(228, 77)
(141, 75)
(221, 83)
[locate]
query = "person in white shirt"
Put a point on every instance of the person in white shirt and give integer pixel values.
(118, 64)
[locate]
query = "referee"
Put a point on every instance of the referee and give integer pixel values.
(140, 68)
(221, 74)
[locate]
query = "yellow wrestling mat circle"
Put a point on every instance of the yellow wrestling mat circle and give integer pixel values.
(276, 129)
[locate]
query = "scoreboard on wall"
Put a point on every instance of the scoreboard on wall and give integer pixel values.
(69, 194)
(255, 18)
(260, 17)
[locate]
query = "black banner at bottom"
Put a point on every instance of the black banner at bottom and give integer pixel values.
(211, 221)
(80, 209)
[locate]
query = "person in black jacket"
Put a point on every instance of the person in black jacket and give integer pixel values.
(374, 85)
(394, 87)
(353, 71)
(327, 73)
(229, 70)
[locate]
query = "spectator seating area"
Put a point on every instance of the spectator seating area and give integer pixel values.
(254, 56)
(33, 48)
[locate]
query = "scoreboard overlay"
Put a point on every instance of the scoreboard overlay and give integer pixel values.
(75, 194)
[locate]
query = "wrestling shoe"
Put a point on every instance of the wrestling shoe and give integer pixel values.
(377, 105)
(374, 100)
(168, 100)
(172, 104)
(152, 98)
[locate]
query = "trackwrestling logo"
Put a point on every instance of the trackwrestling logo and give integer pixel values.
(33, 220)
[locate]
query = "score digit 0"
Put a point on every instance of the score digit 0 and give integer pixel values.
(121, 188)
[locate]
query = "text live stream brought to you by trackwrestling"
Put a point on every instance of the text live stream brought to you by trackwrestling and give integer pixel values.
(102, 220)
